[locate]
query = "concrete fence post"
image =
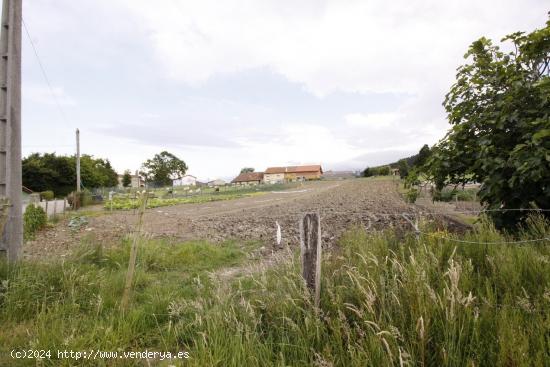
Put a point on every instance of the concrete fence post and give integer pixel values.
(310, 248)
(34, 198)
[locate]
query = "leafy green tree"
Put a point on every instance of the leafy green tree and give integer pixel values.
(367, 172)
(422, 155)
(49, 172)
(499, 109)
(383, 171)
(247, 170)
(126, 178)
(403, 167)
(97, 172)
(163, 168)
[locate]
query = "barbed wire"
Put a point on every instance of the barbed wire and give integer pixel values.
(324, 212)
(485, 243)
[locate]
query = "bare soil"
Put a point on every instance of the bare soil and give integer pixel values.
(373, 204)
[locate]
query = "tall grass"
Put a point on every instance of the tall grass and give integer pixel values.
(386, 299)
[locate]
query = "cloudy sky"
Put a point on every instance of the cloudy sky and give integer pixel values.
(228, 84)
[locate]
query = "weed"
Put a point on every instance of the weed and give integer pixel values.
(387, 299)
(34, 219)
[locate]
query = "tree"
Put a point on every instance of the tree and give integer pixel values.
(403, 168)
(126, 178)
(163, 168)
(97, 172)
(499, 109)
(367, 172)
(383, 171)
(422, 155)
(49, 172)
(247, 170)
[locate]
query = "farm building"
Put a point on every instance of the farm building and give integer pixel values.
(136, 181)
(274, 175)
(292, 173)
(187, 180)
(249, 178)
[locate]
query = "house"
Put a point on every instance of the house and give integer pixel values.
(292, 173)
(274, 175)
(249, 178)
(136, 180)
(187, 180)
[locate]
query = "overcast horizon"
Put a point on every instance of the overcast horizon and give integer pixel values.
(250, 83)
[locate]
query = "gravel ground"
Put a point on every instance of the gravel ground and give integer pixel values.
(371, 203)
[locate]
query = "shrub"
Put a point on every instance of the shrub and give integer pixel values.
(384, 171)
(367, 172)
(34, 219)
(47, 195)
(411, 195)
(403, 168)
(450, 194)
(84, 198)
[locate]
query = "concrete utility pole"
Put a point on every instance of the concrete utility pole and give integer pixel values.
(77, 160)
(10, 127)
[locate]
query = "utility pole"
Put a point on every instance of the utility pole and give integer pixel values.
(76, 201)
(77, 161)
(10, 128)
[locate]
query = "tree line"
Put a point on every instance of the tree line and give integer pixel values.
(403, 165)
(57, 173)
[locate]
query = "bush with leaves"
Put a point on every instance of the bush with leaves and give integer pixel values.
(499, 109)
(34, 219)
(47, 195)
(403, 167)
(126, 179)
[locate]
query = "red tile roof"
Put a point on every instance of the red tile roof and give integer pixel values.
(275, 170)
(249, 176)
(295, 169)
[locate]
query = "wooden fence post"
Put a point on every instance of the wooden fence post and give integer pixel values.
(310, 246)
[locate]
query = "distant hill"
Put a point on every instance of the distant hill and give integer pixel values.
(410, 161)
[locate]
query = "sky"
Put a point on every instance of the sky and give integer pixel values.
(252, 83)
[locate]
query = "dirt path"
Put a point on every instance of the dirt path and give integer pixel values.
(374, 204)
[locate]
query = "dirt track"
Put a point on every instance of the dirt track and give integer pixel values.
(374, 204)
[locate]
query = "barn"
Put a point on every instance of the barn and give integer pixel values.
(249, 178)
(292, 173)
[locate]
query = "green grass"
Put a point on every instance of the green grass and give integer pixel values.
(387, 299)
(126, 203)
(180, 191)
(74, 304)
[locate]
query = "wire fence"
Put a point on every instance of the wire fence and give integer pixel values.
(287, 221)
